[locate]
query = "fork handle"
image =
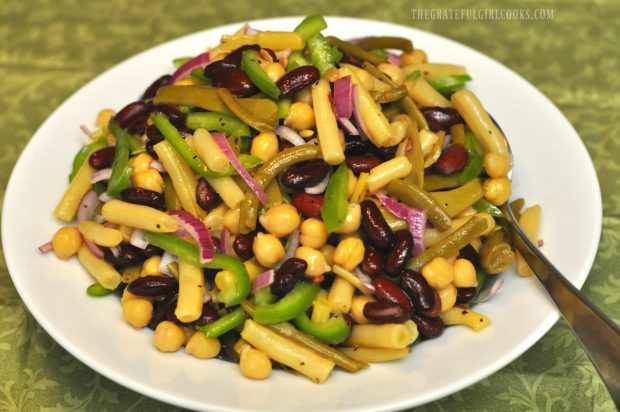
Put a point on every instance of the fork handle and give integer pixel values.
(598, 335)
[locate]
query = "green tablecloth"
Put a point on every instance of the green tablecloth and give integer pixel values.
(48, 49)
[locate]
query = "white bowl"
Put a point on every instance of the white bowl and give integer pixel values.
(552, 168)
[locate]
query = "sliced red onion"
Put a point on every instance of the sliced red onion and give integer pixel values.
(181, 233)
(365, 279)
(283, 54)
(88, 204)
(290, 135)
(416, 220)
(104, 197)
(99, 175)
(291, 247)
(202, 60)
(319, 187)
(85, 130)
(348, 126)
(397, 209)
(166, 259)
(250, 31)
(157, 166)
(208, 296)
(358, 114)
(488, 294)
(446, 141)
(198, 231)
(225, 242)
(262, 280)
(393, 59)
(94, 249)
(137, 239)
(45, 248)
(221, 141)
(540, 243)
(342, 97)
(116, 251)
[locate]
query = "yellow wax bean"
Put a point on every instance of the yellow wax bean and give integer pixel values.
(191, 292)
(99, 234)
(209, 151)
(327, 127)
(101, 270)
(435, 70)
(68, 205)
(142, 217)
(388, 336)
(460, 315)
(387, 172)
(374, 355)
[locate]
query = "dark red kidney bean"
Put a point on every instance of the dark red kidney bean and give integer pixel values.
(333, 239)
(397, 257)
(162, 308)
(374, 226)
(242, 245)
(148, 146)
(141, 196)
(129, 255)
(102, 158)
(469, 253)
(151, 91)
(208, 315)
(288, 275)
(388, 291)
(465, 295)
(216, 66)
(236, 81)
(297, 79)
(206, 197)
(235, 55)
(173, 114)
(349, 58)
(138, 125)
(452, 160)
(354, 146)
(385, 153)
(153, 286)
(309, 174)
(184, 132)
(441, 118)
(307, 204)
(152, 250)
(153, 134)
(363, 163)
(385, 312)
(283, 145)
(423, 297)
(130, 113)
(373, 261)
(435, 310)
(428, 327)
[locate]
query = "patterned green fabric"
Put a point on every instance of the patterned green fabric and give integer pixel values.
(48, 49)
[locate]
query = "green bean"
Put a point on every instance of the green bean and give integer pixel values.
(451, 244)
(440, 182)
(389, 96)
(412, 110)
(457, 200)
(242, 113)
(496, 255)
(355, 51)
(386, 42)
(412, 195)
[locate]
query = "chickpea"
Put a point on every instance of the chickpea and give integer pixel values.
(328, 254)
(202, 347)
(349, 253)
(393, 72)
(66, 242)
(268, 249)
(274, 71)
(168, 336)
(464, 274)
(150, 267)
(497, 190)
(317, 265)
(300, 116)
(224, 279)
(103, 118)
(447, 296)
(280, 220)
(313, 233)
(253, 268)
(137, 312)
(352, 182)
(141, 163)
(230, 220)
(254, 364)
(264, 146)
(357, 308)
(149, 179)
(352, 221)
(496, 165)
(439, 273)
(414, 57)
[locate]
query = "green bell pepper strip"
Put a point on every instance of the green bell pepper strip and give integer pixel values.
(263, 296)
(96, 290)
(220, 122)
(295, 60)
(289, 307)
(336, 205)
(235, 293)
(249, 64)
(333, 331)
(321, 53)
(474, 166)
(119, 181)
(449, 83)
(484, 206)
(311, 25)
(172, 135)
(83, 154)
(224, 324)
(284, 106)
